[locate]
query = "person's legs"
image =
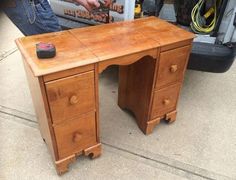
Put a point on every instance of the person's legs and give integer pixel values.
(33, 17)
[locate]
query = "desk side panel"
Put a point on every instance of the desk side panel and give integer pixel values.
(135, 88)
(39, 98)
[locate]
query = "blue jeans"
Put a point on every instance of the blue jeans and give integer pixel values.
(33, 17)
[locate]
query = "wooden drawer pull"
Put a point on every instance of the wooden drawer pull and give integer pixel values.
(77, 137)
(166, 101)
(74, 99)
(173, 68)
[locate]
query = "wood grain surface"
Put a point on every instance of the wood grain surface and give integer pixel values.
(165, 100)
(171, 66)
(72, 96)
(152, 55)
(70, 53)
(76, 135)
(83, 46)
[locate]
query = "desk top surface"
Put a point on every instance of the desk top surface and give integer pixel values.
(83, 46)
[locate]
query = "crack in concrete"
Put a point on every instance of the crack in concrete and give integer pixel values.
(177, 165)
(4, 55)
(18, 117)
(18, 114)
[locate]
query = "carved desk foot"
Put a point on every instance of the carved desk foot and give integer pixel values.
(94, 151)
(171, 117)
(150, 125)
(63, 165)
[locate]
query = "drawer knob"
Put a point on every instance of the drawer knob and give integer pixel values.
(173, 68)
(77, 137)
(74, 99)
(166, 101)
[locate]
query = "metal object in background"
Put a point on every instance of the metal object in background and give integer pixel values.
(205, 39)
(148, 7)
(220, 16)
(138, 9)
(183, 11)
(168, 12)
(231, 29)
(152, 7)
(159, 5)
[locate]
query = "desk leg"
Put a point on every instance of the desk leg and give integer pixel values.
(135, 89)
(123, 79)
(63, 165)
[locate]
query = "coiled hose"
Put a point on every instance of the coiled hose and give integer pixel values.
(198, 24)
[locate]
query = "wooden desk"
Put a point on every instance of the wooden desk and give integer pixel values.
(152, 55)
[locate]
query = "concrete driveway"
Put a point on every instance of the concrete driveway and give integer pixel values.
(201, 144)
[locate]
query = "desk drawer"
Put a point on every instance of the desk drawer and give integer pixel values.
(76, 135)
(72, 96)
(165, 100)
(171, 66)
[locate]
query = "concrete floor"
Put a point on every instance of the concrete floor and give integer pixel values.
(201, 144)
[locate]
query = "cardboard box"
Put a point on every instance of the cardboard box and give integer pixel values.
(119, 10)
